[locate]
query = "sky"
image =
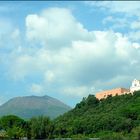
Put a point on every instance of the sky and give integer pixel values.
(68, 49)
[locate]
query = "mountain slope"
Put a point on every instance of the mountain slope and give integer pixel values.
(94, 118)
(29, 106)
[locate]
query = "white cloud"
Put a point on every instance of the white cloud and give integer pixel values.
(136, 45)
(36, 89)
(54, 26)
(117, 22)
(71, 57)
(133, 62)
(120, 15)
(15, 34)
(108, 19)
(135, 25)
(21, 66)
(9, 35)
(81, 91)
(126, 7)
(134, 35)
(119, 80)
(49, 76)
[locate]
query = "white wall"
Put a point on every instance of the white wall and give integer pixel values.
(135, 85)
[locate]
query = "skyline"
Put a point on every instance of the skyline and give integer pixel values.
(68, 50)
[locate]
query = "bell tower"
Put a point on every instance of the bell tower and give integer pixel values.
(135, 85)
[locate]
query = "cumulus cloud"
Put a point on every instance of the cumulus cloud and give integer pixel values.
(117, 23)
(120, 16)
(135, 25)
(15, 34)
(77, 91)
(36, 89)
(134, 35)
(129, 7)
(136, 45)
(70, 59)
(54, 27)
(49, 76)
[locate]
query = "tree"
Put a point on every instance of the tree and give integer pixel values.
(40, 127)
(16, 132)
(9, 121)
(92, 100)
(14, 126)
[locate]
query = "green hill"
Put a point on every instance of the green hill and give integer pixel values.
(29, 106)
(113, 118)
(119, 115)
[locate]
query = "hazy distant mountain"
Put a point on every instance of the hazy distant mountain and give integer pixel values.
(29, 106)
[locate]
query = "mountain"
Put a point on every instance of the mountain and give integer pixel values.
(114, 116)
(29, 106)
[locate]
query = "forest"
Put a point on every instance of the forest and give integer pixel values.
(113, 118)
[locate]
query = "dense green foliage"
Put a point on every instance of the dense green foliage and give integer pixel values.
(35, 128)
(94, 118)
(40, 128)
(114, 118)
(14, 126)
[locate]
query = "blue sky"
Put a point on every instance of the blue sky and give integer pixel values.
(67, 50)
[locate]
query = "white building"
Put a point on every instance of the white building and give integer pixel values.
(135, 85)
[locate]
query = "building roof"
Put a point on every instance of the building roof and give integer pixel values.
(112, 90)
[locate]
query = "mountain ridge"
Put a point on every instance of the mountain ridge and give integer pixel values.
(29, 106)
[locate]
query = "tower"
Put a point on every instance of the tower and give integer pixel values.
(135, 85)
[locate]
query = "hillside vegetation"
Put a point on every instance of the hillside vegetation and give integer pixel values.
(114, 118)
